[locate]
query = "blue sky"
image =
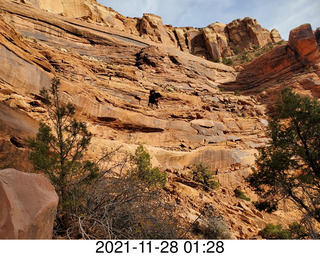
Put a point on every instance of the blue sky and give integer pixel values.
(283, 15)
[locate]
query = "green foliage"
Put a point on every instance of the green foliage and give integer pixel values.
(245, 58)
(227, 61)
(295, 231)
(58, 151)
(257, 54)
(143, 169)
(272, 231)
(203, 175)
(236, 50)
(238, 193)
(289, 167)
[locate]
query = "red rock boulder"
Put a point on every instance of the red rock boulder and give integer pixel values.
(28, 204)
(304, 42)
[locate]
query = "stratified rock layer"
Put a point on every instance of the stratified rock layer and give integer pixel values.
(108, 70)
(213, 42)
(28, 204)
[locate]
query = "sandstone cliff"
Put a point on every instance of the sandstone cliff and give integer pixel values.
(107, 72)
(214, 42)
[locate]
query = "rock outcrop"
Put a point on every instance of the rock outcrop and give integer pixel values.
(301, 52)
(213, 42)
(152, 27)
(108, 70)
(28, 204)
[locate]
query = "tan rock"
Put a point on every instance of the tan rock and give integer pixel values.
(181, 38)
(217, 40)
(28, 205)
(275, 36)
(152, 27)
(247, 32)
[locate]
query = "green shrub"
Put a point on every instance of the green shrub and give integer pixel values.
(257, 54)
(295, 231)
(238, 193)
(143, 169)
(227, 61)
(245, 58)
(203, 175)
(272, 231)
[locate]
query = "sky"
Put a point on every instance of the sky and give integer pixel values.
(283, 15)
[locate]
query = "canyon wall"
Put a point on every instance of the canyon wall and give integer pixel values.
(213, 42)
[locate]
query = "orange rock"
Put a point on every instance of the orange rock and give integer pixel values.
(28, 204)
(304, 42)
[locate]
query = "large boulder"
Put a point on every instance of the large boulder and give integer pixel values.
(28, 204)
(304, 42)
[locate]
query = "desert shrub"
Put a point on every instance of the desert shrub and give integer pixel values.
(272, 231)
(227, 61)
(238, 193)
(295, 231)
(211, 225)
(203, 175)
(123, 208)
(245, 58)
(144, 171)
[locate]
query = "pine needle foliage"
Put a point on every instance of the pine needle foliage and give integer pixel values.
(58, 151)
(289, 167)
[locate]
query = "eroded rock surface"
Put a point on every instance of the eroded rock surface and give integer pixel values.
(108, 70)
(28, 204)
(215, 41)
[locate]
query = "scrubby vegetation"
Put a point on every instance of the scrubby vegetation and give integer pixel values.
(203, 175)
(143, 169)
(238, 193)
(271, 231)
(289, 167)
(106, 199)
(58, 151)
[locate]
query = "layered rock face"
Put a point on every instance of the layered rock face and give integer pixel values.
(213, 42)
(28, 205)
(108, 73)
(300, 53)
